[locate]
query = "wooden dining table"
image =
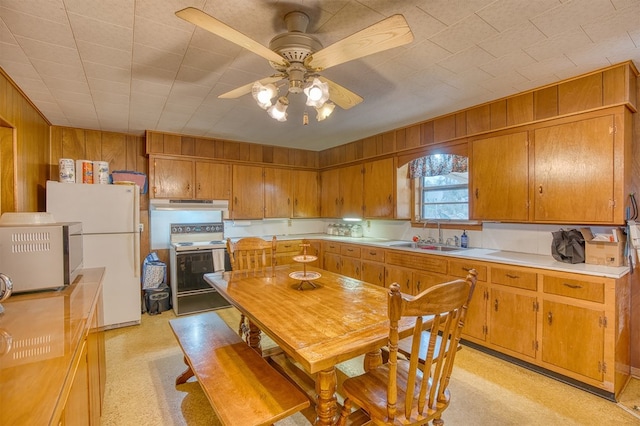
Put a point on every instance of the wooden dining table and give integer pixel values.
(318, 327)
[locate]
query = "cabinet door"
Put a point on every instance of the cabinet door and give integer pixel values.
(404, 277)
(350, 267)
(573, 338)
(248, 192)
(172, 178)
(475, 324)
(351, 185)
(513, 321)
(378, 188)
(330, 193)
(305, 193)
(213, 181)
(574, 172)
(331, 262)
(424, 280)
(373, 272)
(277, 190)
(76, 408)
(500, 178)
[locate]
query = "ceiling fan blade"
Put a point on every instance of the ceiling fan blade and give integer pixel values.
(341, 96)
(219, 28)
(386, 34)
(243, 90)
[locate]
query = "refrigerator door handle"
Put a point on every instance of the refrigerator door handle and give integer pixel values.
(136, 254)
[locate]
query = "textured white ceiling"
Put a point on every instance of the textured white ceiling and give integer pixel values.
(132, 65)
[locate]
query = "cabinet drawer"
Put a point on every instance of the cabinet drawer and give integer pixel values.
(351, 251)
(289, 246)
(514, 278)
(577, 289)
(372, 253)
(461, 268)
(416, 261)
(330, 247)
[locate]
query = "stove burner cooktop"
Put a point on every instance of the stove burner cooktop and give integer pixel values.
(197, 236)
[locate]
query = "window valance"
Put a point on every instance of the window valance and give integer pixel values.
(437, 165)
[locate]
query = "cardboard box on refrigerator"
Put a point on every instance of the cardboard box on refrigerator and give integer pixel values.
(607, 253)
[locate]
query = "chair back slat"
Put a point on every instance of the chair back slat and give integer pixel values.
(252, 255)
(445, 305)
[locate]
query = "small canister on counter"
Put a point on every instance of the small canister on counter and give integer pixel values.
(84, 171)
(67, 170)
(101, 172)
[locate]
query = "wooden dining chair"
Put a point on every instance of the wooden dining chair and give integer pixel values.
(400, 392)
(251, 256)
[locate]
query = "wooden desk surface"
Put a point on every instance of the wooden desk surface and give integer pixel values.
(320, 327)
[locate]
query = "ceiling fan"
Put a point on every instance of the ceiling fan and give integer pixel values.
(298, 59)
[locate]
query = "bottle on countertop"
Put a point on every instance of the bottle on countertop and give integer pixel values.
(464, 240)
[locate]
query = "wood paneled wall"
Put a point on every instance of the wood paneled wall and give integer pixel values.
(122, 151)
(28, 152)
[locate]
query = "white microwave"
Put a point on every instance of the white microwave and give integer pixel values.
(41, 256)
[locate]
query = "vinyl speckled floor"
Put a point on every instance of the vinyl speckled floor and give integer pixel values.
(143, 362)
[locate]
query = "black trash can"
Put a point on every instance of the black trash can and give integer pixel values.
(157, 300)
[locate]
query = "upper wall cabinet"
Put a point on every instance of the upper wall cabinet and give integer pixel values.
(379, 189)
(177, 178)
(578, 171)
(499, 178)
(305, 193)
(341, 194)
(277, 193)
(213, 181)
(171, 178)
(247, 192)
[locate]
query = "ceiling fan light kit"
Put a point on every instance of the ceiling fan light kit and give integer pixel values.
(299, 57)
(263, 93)
(279, 110)
(317, 93)
(324, 111)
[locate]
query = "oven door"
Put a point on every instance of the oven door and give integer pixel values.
(191, 292)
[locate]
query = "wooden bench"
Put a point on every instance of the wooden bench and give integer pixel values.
(241, 385)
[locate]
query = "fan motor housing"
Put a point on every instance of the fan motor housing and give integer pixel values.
(294, 47)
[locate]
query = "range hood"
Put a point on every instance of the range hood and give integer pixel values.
(212, 205)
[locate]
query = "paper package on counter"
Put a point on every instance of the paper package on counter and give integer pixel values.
(604, 249)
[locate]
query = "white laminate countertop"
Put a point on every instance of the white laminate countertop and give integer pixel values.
(487, 255)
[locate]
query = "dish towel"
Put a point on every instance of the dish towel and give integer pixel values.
(218, 259)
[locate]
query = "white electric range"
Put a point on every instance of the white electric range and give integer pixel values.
(196, 249)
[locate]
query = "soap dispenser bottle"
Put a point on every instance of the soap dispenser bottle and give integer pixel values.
(464, 240)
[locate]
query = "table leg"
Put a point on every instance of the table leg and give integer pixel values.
(186, 375)
(254, 337)
(372, 360)
(326, 404)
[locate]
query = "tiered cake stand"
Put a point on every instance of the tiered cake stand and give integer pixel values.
(305, 277)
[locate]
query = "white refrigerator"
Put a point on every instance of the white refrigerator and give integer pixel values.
(110, 216)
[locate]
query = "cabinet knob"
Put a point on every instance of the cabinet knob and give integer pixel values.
(550, 318)
(477, 193)
(495, 305)
(540, 189)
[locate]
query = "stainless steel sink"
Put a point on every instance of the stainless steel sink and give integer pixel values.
(410, 245)
(435, 247)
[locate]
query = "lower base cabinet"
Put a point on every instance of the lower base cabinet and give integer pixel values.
(573, 339)
(83, 405)
(575, 325)
(512, 322)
